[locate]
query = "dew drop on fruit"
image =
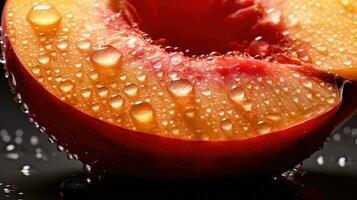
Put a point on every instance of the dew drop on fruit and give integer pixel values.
(248, 106)
(181, 88)
(307, 83)
(190, 113)
(330, 100)
(44, 60)
(95, 107)
(107, 59)
(93, 75)
(84, 44)
(62, 45)
(131, 90)
(103, 92)
(36, 70)
(116, 102)
(86, 93)
(206, 92)
(143, 115)
(264, 128)
(274, 117)
(44, 16)
(347, 62)
(141, 77)
(66, 86)
(176, 59)
(237, 95)
(226, 125)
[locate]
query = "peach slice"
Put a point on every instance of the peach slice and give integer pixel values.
(111, 94)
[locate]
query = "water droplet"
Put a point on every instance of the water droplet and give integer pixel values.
(347, 62)
(131, 90)
(106, 60)
(307, 83)
(248, 106)
(25, 108)
(336, 137)
(60, 148)
(143, 115)
(205, 137)
(44, 60)
(181, 88)
(10, 147)
(66, 86)
(18, 98)
(103, 92)
(274, 117)
(7, 191)
(87, 168)
(93, 75)
(206, 92)
(44, 16)
(86, 93)
(330, 100)
(190, 113)
(5, 136)
(25, 42)
(177, 59)
(321, 48)
(264, 128)
(226, 125)
(116, 102)
(84, 44)
(62, 45)
(78, 74)
(95, 107)
(123, 77)
(26, 170)
(34, 140)
(320, 160)
(36, 70)
(237, 95)
(141, 77)
(342, 161)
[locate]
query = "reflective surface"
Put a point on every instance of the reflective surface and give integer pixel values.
(33, 168)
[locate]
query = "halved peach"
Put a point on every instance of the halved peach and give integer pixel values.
(113, 95)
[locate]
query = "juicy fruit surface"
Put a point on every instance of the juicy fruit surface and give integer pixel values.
(87, 55)
(326, 31)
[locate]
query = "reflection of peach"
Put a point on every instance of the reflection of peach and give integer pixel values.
(110, 94)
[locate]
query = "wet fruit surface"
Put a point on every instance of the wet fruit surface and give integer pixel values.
(111, 86)
(233, 96)
(327, 33)
(22, 146)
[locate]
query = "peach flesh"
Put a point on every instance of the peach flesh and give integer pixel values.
(119, 151)
(91, 82)
(140, 149)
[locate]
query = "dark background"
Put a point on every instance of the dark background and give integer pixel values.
(32, 168)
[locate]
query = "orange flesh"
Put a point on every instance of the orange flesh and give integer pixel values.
(326, 31)
(141, 87)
